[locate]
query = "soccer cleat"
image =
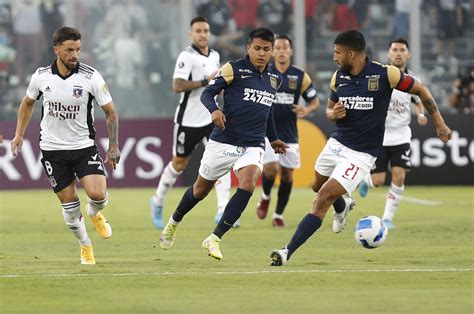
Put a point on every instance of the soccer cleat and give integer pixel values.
(168, 234)
(340, 219)
(87, 255)
(211, 245)
(262, 208)
(389, 224)
(102, 226)
(156, 214)
(363, 188)
(278, 222)
(279, 257)
(218, 217)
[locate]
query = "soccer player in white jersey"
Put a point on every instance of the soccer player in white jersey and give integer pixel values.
(396, 143)
(195, 67)
(69, 89)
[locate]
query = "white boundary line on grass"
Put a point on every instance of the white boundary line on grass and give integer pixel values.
(415, 200)
(256, 272)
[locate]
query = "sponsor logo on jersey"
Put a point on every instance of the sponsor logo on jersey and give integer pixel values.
(239, 152)
(245, 76)
(259, 96)
(292, 81)
(105, 88)
(94, 161)
(62, 111)
(285, 98)
(346, 77)
(77, 91)
(180, 64)
(245, 71)
(358, 102)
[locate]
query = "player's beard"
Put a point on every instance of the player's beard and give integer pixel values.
(68, 65)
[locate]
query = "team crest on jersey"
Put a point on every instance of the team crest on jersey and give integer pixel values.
(181, 64)
(292, 81)
(373, 84)
(77, 91)
(273, 82)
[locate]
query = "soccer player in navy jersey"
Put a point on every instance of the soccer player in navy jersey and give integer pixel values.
(68, 88)
(238, 139)
(360, 95)
(296, 83)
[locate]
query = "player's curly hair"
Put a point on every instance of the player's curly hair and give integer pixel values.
(65, 33)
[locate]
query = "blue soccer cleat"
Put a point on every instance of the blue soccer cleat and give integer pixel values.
(363, 188)
(156, 214)
(389, 224)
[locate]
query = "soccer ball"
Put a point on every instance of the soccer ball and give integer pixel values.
(370, 232)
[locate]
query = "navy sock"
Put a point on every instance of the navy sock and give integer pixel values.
(307, 226)
(283, 196)
(188, 201)
(267, 184)
(339, 204)
(232, 211)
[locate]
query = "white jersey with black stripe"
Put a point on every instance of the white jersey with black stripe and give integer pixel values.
(192, 65)
(397, 124)
(68, 107)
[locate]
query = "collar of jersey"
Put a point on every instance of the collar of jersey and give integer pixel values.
(252, 67)
(368, 62)
(199, 50)
(55, 70)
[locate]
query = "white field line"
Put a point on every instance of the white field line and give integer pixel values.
(256, 272)
(415, 200)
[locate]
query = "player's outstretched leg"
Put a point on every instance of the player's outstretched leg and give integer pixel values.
(211, 245)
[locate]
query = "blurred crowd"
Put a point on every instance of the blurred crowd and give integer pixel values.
(134, 43)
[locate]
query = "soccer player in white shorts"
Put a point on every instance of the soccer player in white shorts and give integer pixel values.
(358, 104)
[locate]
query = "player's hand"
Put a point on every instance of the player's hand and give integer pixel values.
(279, 147)
(1, 138)
(16, 145)
(300, 111)
(422, 120)
(218, 118)
(443, 132)
(212, 76)
(339, 111)
(113, 156)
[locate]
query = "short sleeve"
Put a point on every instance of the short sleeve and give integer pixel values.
(183, 67)
(394, 75)
(33, 89)
(333, 92)
(100, 90)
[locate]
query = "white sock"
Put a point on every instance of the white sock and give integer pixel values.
(394, 196)
(223, 192)
(75, 222)
(265, 196)
(94, 206)
(167, 180)
(275, 215)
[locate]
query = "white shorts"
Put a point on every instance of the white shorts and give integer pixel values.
(290, 160)
(219, 158)
(345, 165)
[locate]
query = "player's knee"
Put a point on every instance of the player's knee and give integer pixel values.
(98, 195)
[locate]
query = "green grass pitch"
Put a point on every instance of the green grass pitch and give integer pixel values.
(425, 266)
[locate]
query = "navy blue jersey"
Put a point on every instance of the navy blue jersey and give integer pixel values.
(248, 98)
(295, 83)
(366, 97)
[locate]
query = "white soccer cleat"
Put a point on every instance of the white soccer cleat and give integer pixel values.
(340, 219)
(279, 257)
(211, 245)
(168, 235)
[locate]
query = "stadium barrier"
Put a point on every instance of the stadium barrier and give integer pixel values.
(146, 147)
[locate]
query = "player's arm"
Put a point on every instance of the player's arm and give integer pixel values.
(220, 82)
(455, 93)
(420, 112)
(112, 122)
(309, 94)
(409, 85)
(335, 110)
(24, 116)
(181, 85)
